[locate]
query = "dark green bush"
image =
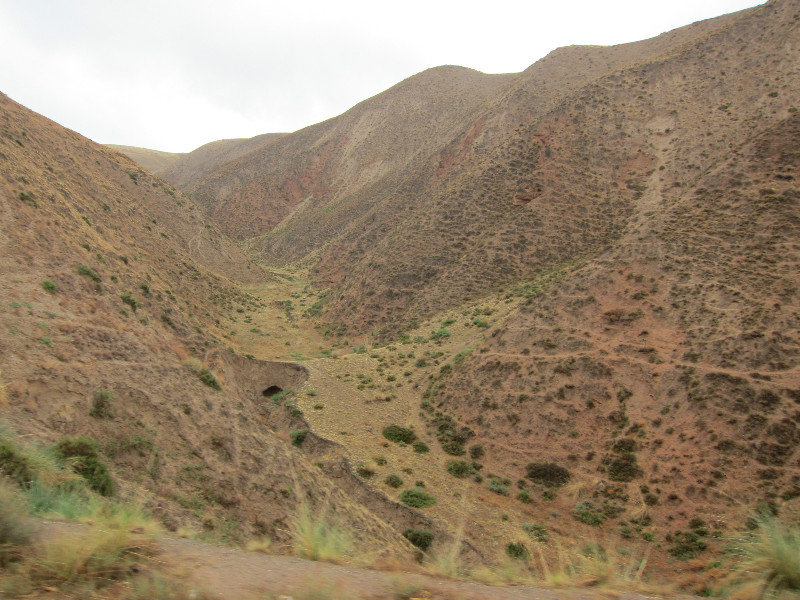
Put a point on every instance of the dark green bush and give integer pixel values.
(624, 446)
(624, 468)
(459, 468)
(14, 464)
(393, 481)
(453, 448)
(208, 378)
(421, 447)
(421, 538)
(517, 550)
(82, 455)
(49, 286)
(686, 545)
(417, 497)
(101, 405)
(298, 436)
(547, 474)
(476, 452)
(364, 471)
(400, 435)
(524, 496)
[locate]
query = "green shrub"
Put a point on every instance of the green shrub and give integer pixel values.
(547, 474)
(421, 538)
(298, 436)
(101, 405)
(624, 468)
(524, 496)
(395, 433)
(393, 481)
(459, 468)
(686, 545)
(588, 513)
(82, 455)
(537, 532)
(131, 301)
(477, 452)
(497, 487)
(440, 334)
(208, 378)
(89, 273)
(517, 550)
(420, 447)
(417, 497)
(14, 463)
(49, 286)
(454, 448)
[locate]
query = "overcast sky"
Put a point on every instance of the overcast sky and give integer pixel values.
(173, 75)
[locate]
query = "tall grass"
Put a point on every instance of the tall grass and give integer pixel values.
(15, 525)
(771, 557)
(316, 536)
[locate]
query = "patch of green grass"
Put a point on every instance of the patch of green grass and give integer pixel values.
(460, 468)
(420, 447)
(49, 286)
(88, 272)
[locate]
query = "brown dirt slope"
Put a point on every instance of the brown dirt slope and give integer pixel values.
(664, 375)
(112, 280)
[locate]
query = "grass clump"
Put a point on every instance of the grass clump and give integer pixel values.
(82, 455)
(393, 481)
(421, 538)
(208, 378)
(517, 551)
(417, 498)
(88, 272)
(399, 435)
(15, 525)
(298, 436)
(49, 286)
(771, 557)
(316, 537)
(101, 405)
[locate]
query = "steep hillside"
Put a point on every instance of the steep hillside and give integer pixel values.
(665, 375)
(154, 161)
(115, 296)
(453, 183)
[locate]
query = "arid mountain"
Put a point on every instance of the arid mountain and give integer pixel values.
(454, 183)
(114, 288)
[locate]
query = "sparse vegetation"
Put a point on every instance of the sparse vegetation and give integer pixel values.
(421, 538)
(400, 435)
(49, 286)
(316, 536)
(209, 379)
(102, 405)
(298, 436)
(417, 497)
(547, 474)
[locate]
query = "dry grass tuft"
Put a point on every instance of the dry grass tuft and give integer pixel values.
(315, 536)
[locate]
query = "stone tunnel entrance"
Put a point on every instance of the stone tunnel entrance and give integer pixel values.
(271, 391)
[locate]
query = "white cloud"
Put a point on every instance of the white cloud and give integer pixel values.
(174, 75)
